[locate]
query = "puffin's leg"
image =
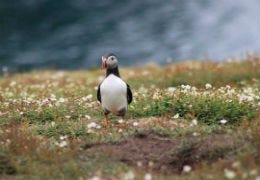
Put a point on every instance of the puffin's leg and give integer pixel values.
(106, 112)
(122, 113)
(106, 122)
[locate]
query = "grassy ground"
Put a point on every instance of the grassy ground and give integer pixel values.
(193, 120)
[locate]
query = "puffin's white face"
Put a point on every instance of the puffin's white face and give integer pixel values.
(110, 62)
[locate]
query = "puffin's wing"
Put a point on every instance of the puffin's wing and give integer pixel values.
(129, 94)
(98, 94)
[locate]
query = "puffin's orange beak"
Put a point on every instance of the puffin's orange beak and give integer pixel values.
(103, 65)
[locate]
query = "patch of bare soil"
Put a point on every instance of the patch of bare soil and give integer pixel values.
(169, 155)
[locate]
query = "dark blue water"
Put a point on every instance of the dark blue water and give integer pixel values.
(74, 34)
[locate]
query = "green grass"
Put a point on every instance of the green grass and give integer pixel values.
(51, 123)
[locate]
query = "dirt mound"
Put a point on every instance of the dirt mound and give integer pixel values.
(168, 155)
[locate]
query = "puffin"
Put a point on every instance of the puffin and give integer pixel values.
(113, 93)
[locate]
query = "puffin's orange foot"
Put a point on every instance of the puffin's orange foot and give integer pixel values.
(107, 122)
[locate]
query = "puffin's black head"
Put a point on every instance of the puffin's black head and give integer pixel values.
(109, 61)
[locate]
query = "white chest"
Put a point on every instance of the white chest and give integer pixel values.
(113, 92)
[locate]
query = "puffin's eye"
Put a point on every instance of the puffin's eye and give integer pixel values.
(112, 58)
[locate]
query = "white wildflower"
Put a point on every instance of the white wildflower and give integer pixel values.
(52, 123)
(195, 134)
(228, 87)
(61, 100)
(63, 137)
(186, 168)
(236, 164)
(120, 121)
(13, 83)
(248, 90)
(100, 78)
(151, 163)
(67, 117)
(139, 164)
(156, 95)
(95, 178)
(230, 91)
(250, 99)
(223, 121)
(245, 176)
(92, 125)
(129, 176)
(257, 178)
(229, 174)
(135, 94)
(206, 93)
(221, 90)
(90, 105)
(148, 176)
(87, 117)
(135, 123)
(194, 122)
(53, 97)
(194, 89)
(185, 87)
(45, 101)
(253, 172)
(171, 89)
(62, 144)
(257, 97)
(24, 94)
(176, 116)
(90, 131)
(208, 86)
(10, 94)
(8, 141)
(143, 90)
(88, 97)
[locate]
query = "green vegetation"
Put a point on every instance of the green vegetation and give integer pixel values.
(192, 120)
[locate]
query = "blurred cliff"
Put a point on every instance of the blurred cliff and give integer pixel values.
(74, 34)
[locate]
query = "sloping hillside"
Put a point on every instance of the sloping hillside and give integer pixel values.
(193, 120)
